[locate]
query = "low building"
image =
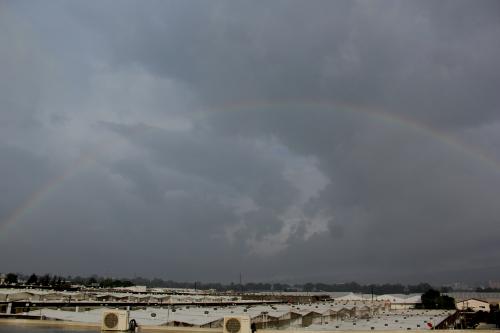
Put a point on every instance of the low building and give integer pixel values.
(473, 304)
(134, 289)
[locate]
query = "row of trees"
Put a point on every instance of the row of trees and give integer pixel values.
(307, 287)
(106, 282)
(59, 282)
(46, 280)
(386, 288)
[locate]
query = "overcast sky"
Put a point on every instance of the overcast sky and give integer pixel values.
(290, 141)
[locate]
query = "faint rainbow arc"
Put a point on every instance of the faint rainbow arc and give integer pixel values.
(44, 190)
(400, 120)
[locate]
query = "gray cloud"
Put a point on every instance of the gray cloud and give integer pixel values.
(292, 141)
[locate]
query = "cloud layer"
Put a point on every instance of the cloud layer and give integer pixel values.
(289, 141)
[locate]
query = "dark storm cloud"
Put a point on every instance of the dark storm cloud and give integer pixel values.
(195, 134)
(407, 57)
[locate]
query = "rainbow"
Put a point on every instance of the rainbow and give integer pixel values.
(473, 152)
(397, 120)
(36, 197)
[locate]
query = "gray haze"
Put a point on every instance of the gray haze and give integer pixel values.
(288, 140)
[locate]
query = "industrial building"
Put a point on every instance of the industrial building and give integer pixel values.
(473, 304)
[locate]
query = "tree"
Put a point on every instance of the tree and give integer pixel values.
(446, 302)
(106, 283)
(11, 278)
(432, 299)
(33, 279)
(53, 281)
(44, 280)
(91, 281)
(127, 283)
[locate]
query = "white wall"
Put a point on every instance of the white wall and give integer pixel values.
(475, 305)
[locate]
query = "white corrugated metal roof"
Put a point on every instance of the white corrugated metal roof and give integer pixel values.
(411, 319)
(197, 315)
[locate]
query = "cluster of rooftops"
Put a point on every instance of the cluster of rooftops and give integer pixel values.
(42, 295)
(332, 315)
(343, 311)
